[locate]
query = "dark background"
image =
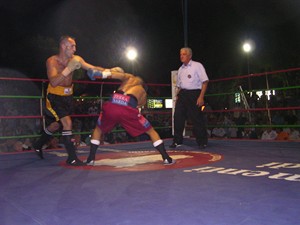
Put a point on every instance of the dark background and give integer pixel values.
(30, 30)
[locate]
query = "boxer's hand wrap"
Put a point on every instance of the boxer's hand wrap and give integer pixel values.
(73, 64)
(97, 74)
(106, 73)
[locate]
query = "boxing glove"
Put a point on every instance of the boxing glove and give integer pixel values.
(72, 65)
(97, 74)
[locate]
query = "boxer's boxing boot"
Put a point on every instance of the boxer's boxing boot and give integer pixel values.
(44, 138)
(93, 149)
(70, 148)
(167, 160)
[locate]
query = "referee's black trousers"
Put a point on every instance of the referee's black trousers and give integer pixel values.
(186, 109)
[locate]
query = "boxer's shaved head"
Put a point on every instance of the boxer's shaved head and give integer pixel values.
(65, 38)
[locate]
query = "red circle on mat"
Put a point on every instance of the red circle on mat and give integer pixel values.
(147, 160)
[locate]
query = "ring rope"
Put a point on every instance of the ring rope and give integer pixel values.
(149, 112)
(255, 75)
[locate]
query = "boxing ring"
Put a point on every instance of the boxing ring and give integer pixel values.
(236, 181)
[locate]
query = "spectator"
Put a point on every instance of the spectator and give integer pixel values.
(294, 135)
(241, 121)
(7, 145)
(230, 129)
(93, 109)
(18, 146)
(250, 133)
(218, 132)
(27, 145)
(53, 143)
(282, 134)
(269, 134)
(77, 141)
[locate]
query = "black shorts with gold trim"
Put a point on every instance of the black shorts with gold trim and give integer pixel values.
(58, 107)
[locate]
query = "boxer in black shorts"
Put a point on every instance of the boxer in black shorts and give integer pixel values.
(59, 99)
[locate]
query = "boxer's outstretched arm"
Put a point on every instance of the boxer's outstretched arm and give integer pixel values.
(114, 73)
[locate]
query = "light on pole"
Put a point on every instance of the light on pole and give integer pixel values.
(131, 54)
(248, 48)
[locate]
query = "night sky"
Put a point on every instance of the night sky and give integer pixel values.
(30, 30)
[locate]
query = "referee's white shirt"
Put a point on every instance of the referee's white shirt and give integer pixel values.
(191, 76)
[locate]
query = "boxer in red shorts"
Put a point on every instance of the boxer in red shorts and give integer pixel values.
(122, 108)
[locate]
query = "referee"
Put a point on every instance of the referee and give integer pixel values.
(191, 85)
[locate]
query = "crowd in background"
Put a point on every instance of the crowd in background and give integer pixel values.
(237, 124)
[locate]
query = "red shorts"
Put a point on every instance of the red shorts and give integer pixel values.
(128, 117)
